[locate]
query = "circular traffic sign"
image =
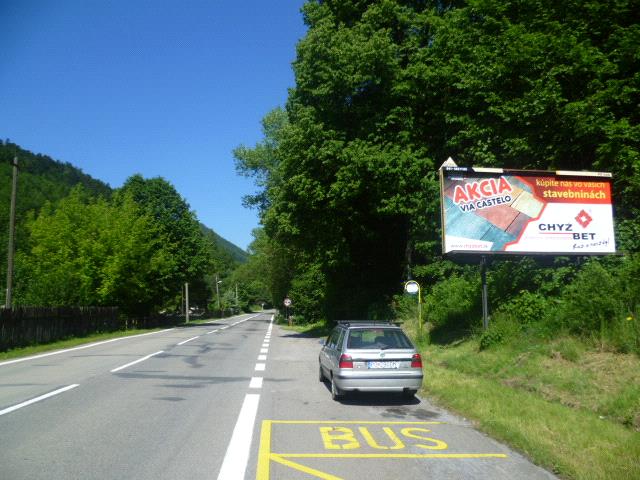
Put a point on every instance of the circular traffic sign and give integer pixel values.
(287, 302)
(412, 287)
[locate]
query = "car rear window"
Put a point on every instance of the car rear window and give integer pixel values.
(367, 338)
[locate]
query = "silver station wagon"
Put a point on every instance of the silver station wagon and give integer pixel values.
(370, 357)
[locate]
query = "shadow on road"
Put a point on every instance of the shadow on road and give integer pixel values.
(374, 399)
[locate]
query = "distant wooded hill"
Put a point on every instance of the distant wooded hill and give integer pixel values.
(236, 252)
(43, 179)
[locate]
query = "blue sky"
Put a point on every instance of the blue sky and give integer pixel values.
(160, 88)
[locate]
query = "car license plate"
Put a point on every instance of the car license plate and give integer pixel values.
(383, 364)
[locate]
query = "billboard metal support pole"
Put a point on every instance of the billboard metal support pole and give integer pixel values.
(485, 292)
(12, 232)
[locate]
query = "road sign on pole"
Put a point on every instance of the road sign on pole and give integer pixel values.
(287, 304)
(413, 287)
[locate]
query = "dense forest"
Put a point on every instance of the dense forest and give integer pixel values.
(385, 91)
(80, 242)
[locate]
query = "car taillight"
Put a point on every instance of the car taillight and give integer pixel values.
(346, 361)
(416, 361)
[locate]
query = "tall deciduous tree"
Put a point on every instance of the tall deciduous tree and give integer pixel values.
(85, 251)
(190, 252)
(387, 90)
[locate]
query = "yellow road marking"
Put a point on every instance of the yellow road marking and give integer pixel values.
(303, 468)
(350, 422)
(390, 455)
(265, 455)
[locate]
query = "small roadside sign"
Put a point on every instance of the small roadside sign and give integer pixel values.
(287, 302)
(411, 287)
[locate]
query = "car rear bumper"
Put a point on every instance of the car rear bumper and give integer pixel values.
(379, 381)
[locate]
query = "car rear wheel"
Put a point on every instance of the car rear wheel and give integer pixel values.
(336, 393)
(320, 374)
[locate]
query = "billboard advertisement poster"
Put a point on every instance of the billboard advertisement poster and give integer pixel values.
(492, 210)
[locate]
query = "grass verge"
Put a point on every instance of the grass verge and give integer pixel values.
(319, 329)
(69, 343)
(76, 341)
(544, 405)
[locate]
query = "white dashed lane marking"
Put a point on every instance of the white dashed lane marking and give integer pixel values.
(256, 382)
(137, 361)
(37, 399)
(186, 341)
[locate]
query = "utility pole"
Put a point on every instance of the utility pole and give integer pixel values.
(186, 301)
(236, 295)
(12, 224)
(218, 295)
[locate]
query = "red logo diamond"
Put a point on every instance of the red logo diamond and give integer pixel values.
(584, 219)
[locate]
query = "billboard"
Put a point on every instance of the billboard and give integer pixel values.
(493, 210)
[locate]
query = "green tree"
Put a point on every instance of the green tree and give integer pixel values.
(40, 179)
(261, 162)
(267, 275)
(85, 251)
(386, 90)
(189, 250)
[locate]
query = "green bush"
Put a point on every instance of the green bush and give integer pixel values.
(405, 306)
(526, 309)
(630, 282)
(603, 303)
(502, 329)
(591, 301)
(453, 302)
(598, 299)
(490, 337)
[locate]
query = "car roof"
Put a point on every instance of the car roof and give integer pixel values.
(366, 323)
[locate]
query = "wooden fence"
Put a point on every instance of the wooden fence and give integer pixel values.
(23, 326)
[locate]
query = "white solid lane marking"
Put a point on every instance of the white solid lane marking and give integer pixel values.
(182, 343)
(262, 358)
(260, 367)
(256, 382)
(212, 331)
(57, 352)
(235, 460)
(137, 361)
(38, 399)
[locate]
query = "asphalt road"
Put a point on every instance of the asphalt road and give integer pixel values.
(233, 399)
